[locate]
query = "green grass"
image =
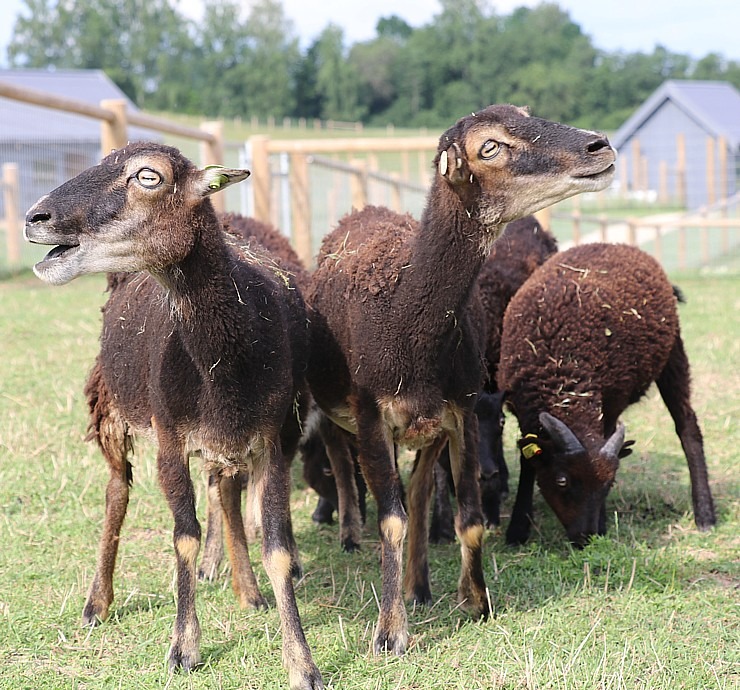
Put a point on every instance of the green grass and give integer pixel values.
(654, 604)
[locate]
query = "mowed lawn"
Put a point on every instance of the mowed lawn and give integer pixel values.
(654, 604)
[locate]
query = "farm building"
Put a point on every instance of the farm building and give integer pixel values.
(683, 144)
(50, 146)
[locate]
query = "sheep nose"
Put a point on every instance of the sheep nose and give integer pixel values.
(37, 217)
(598, 145)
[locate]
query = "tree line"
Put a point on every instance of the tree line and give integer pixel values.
(234, 64)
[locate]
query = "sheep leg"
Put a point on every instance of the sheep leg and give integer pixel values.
(100, 595)
(242, 576)
(377, 460)
(273, 489)
(416, 578)
(213, 548)
(174, 479)
(442, 530)
(343, 469)
(522, 513)
(469, 527)
(674, 386)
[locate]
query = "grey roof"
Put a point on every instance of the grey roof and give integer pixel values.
(25, 122)
(715, 105)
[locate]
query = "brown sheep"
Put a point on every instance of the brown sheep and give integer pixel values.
(257, 235)
(395, 354)
(203, 349)
(583, 339)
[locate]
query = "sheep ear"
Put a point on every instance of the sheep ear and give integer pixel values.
(214, 178)
(561, 434)
(452, 165)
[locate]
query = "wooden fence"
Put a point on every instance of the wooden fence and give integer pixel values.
(303, 153)
(115, 119)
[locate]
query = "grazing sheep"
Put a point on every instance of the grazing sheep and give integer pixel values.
(583, 338)
(203, 348)
(522, 247)
(396, 357)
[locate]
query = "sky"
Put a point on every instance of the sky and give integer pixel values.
(693, 27)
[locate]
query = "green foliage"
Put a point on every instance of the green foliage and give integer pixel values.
(243, 63)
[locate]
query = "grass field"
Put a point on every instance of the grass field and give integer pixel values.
(654, 604)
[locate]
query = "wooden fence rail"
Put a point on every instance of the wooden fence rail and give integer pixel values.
(115, 119)
(304, 152)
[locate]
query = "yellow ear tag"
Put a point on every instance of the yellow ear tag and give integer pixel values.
(218, 181)
(531, 449)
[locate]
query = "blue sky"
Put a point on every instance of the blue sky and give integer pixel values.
(682, 26)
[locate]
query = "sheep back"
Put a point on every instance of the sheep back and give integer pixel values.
(588, 332)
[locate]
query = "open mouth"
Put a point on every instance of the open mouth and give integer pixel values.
(59, 252)
(595, 176)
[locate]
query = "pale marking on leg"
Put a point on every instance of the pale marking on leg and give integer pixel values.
(393, 529)
(187, 547)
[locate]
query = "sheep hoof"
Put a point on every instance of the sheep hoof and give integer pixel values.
(180, 658)
(93, 615)
(516, 536)
(349, 545)
(390, 641)
(422, 594)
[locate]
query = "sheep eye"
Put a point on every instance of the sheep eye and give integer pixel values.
(148, 177)
(327, 471)
(561, 480)
(489, 149)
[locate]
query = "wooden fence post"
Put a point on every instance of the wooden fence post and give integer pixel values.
(710, 171)
(723, 172)
(212, 153)
(114, 135)
(636, 176)
(544, 217)
(301, 207)
(358, 184)
(681, 168)
(663, 182)
(396, 193)
(11, 201)
(261, 177)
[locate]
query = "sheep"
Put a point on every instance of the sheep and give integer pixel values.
(395, 356)
(253, 231)
(583, 339)
(522, 247)
(203, 349)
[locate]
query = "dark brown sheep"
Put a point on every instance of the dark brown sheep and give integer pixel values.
(583, 338)
(260, 236)
(203, 348)
(396, 357)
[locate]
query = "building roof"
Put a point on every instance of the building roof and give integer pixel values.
(715, 105)
(26, 122)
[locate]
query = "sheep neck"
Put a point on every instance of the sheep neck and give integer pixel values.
(219, 305)
(449, 252)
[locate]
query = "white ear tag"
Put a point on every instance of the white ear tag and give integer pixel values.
(443, 163)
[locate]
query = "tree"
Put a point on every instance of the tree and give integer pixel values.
(336, 79)
(132, 40)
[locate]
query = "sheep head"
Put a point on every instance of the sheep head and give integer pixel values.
(504, 164)
(573, 479)
(141, 208)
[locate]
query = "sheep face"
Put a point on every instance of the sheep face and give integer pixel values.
(504, 164)
(132, 212)
(574, 480)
